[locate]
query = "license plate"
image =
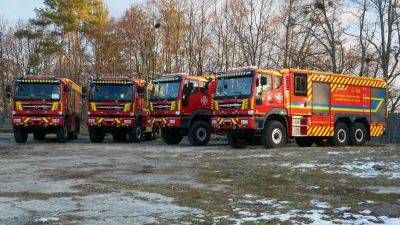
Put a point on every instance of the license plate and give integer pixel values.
(109, 120)
(158, 120)
(36, 119)
(227, 120)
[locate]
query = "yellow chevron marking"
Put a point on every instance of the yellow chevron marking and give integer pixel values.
(18, 105)
(45, 120)
(93, 106)
(234, 121)
(100, 120)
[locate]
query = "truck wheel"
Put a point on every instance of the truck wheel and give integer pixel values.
(358, 134)
(136, 134)
(273, 135)
(20, 135)
(119, 136)
(236, 140)
(199, 133)
(39, 135)
(74, 135)
(304, 141)
(171, 136)
(96, 135)
(341, 135)
(321, 142)
(62, 134)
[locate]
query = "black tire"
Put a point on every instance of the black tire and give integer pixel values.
(321, 142)
(96, 135)
(39, 135)
(74, 134)
(273, 135)
(62, 134)
(171, 136)
(136, 134)
(20, 135)
(199, 133)
(304, 141)
(119, 136)
(341, 135)
(358, 134)
(237, 140)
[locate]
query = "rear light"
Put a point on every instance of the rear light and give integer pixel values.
(177, 113)
(250, 112)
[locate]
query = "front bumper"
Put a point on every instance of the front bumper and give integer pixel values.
(110, 122)
(233, 123)
(37, 121)
(172, 122)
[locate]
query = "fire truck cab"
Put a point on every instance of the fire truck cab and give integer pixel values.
(179, 106)
(268, 106)
(43, 105)
(118, 106)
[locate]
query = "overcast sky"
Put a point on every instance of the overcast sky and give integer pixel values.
(13, 10)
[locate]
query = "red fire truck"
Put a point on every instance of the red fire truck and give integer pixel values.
(118, 106)
(270, 106)
(45, 105)
(181, 105)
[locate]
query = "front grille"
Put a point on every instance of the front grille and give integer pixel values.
(116, 108)
(161, 107)
(230, 106)
(42, 107)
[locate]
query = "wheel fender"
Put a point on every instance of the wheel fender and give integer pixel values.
(273, 112)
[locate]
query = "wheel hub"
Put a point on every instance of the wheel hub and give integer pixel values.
(201, 133)
(341, 135)
(277, 136)
(359, 135)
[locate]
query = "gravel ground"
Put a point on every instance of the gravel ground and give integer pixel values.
(152, 183)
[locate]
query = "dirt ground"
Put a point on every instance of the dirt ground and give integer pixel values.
(152, 183)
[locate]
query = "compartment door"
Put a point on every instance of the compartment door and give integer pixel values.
(321, 98)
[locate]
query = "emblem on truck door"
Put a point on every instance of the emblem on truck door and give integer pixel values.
(279, 97)
(204, 100)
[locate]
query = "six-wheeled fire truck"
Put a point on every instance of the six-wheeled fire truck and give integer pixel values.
(181, 105)
(267, 106)
(45, 105)
(118, 106)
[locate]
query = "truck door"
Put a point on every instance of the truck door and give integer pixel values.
(263, 92)
(194, 99)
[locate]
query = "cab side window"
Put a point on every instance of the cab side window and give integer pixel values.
(264, 83)
(277, 81)
(195, 86)
(300, 85)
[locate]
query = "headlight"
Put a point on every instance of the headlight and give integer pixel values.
(250, 112)
(88, 113)
(13, 112)
(244, 122)
(132, 114)
(171, 121)
(128, 121)
(17, 120)
(60, 113)
(55, 120)
(177, 113)
(91, 120)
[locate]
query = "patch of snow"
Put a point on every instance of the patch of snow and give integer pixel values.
(46, 219)
(323, 205)
(366, 211)
(368, 169)
(256, 156)
(313, 187)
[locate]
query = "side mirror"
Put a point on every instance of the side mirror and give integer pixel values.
(8, 91)
(264, 81)
(84, 92)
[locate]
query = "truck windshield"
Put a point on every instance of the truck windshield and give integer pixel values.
(37, 91)
(111, 92)
(234, 86)
(165, 90)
